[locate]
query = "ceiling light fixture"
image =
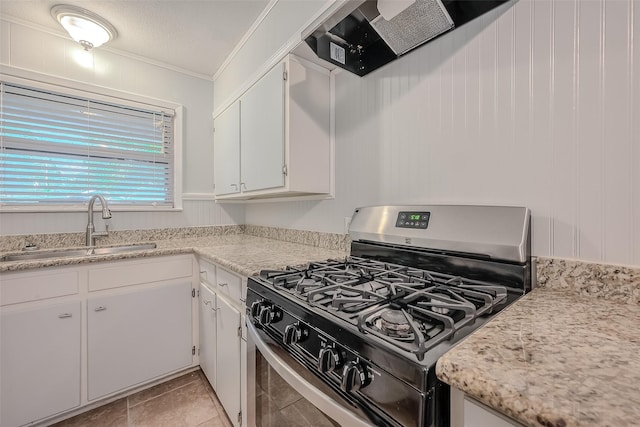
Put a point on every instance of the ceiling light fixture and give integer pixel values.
(85, 27)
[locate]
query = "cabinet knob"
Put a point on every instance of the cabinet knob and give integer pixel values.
(100, 308)
(64, 315)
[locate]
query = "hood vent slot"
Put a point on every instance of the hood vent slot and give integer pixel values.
(420, 22)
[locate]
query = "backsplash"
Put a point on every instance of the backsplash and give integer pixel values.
(311, 238)
(612, 282)
(65, 240)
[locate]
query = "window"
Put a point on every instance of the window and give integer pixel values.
(59, 148)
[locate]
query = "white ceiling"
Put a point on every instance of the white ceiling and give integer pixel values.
(194, 35)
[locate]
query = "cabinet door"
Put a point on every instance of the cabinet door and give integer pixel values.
(137, 336)
(226, 151)
(40, 362)
(262, 132)
(208, 333)
(243, 381)
(228, 359)
(476, 415)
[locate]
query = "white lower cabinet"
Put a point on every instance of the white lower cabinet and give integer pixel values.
(243, 376)
(71, 335)
(228, 359)
(136, 336)
(466, 412)
(40, 361)
(221, 348)
(208, 333)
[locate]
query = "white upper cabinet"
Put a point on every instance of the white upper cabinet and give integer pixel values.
(226, 151)
(262, 129)
(284, 136)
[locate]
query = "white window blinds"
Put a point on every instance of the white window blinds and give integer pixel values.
(57, 149)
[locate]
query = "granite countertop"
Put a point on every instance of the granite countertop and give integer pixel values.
(244, 254)
(554, 358)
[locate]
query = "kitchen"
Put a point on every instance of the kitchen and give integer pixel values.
(532, 104)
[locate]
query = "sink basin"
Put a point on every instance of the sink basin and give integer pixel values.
(76, 252)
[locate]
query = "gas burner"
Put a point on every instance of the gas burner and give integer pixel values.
(418, 320)
(349, 298)
(394, 323)
(440, 310)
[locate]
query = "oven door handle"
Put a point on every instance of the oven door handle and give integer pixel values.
(318, 398)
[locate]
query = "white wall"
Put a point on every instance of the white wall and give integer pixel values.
(34, 50)
(266, 44)
(534, 104)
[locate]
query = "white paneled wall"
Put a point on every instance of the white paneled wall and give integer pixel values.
(536, 103)
(279, 26)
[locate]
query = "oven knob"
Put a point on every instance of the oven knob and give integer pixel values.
(255, 308)
(354, 377)
(269, 315)
(294, 333)
(328, 360)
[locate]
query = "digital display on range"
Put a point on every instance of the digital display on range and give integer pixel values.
(413, 220)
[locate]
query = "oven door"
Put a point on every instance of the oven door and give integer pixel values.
(281, 391)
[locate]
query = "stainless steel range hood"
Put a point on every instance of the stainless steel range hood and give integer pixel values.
(363, 35)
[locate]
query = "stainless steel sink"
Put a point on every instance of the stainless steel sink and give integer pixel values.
(76, 252)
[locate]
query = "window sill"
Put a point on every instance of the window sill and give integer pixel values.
(83, 208)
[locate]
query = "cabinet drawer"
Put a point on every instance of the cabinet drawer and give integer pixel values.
(127, 274)
(207, 272)
(229, 285)
(31, 287)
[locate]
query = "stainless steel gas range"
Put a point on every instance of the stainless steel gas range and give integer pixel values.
(355, 341)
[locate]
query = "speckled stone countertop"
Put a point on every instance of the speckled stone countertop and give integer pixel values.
(566, 354)
(247, 255)
(242, 253)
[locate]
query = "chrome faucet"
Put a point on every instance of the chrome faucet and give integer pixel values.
(91, 230)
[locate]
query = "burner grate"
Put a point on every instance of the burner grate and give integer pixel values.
(349, 299)
(422, 308)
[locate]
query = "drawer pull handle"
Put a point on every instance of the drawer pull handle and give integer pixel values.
(203, 272)
(100, 308)
(223, 284)
(207, 303)
(64, 315)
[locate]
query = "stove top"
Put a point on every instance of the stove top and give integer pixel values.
(409, 308)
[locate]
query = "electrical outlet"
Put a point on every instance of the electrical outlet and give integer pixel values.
(347, 222)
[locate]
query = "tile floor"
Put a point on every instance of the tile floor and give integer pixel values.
(186, 401)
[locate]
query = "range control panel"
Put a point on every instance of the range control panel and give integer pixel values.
(413, 219)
